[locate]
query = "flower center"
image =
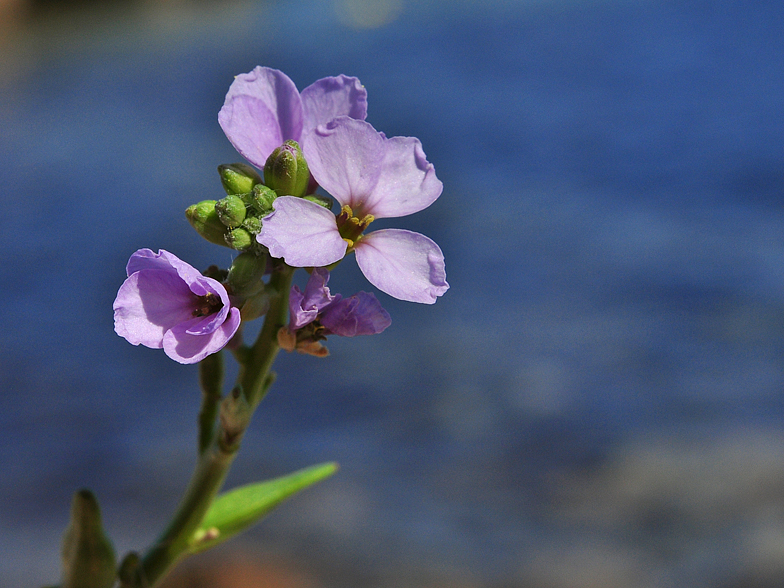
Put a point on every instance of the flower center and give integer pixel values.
(351, 227)
(207, 304)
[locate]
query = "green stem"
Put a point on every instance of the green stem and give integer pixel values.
(211, 380)
(254, 380)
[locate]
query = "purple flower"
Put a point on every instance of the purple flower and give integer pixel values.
(166, 303)
(263, 109)
(371, 176)
(315, 313)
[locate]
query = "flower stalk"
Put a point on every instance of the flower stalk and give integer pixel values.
(217, 456)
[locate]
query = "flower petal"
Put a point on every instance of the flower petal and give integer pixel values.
(360, 314)
(184, 347)
(305, 306)
(303, 233)
(262, 109)
(407, 183)
(149, 303)
(345, 157)
(404, 264)
(331, 97)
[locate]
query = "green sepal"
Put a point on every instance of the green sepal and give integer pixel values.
(238, 509)
(204, 219)
(244, 279)
(286, 170)
(88, 555)
(238, 178)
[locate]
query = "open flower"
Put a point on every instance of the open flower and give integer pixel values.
(316, 313)
(166, 303)
(263, 109)
(372, 177)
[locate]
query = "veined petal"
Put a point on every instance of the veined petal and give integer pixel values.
(303, 233)
(404, 264)
(163, 260)
(345, 157)
(149, 303)
(184, 347)
(360, 314)
(407, 183)
(331, 97)
(262, 109)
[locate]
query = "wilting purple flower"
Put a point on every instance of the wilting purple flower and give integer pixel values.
(360, 314)
(263, 109)
(166, 303)
(375, 177)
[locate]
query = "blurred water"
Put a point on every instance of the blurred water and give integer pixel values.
(596, 401)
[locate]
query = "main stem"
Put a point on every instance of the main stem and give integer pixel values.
(215, 460)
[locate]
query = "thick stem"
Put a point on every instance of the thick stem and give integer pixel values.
(253, 380)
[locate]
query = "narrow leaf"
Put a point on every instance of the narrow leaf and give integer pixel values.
(238, 509)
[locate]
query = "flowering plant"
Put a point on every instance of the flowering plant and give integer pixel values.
(273, 216)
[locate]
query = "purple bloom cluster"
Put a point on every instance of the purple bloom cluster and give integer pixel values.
(166, 303)
(370, 175)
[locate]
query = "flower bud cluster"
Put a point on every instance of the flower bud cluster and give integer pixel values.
(235, 220)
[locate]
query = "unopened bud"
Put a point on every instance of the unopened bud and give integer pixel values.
(231, 210)
(252, 224)
(261, 199)
(239, 239)
(324, 201)
(88, 554)
(286, 170)
(244, 279)
(238, 178)
(204, 219)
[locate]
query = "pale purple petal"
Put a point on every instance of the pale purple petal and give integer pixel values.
(303, 233)
(331, 97)
(163, 260)
(155, 307)
(262, 109)
(407, 183)
(345, 157)
(305, 306)
(183, 347)
(404, 264)
(149, 303)
(361, 314)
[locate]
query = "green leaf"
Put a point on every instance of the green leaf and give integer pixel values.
(238, 509)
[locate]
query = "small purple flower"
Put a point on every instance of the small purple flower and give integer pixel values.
(166, 303)
(315, 313)
(263, 109)
(371, 176)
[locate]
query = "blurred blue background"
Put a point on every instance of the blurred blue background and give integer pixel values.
(596, 402)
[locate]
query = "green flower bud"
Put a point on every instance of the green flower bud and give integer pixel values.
(244, 279)
(239, 239)
(238, 178)
(231, 210)
(261, 199)
(252, 224)
(286, 170)
(88, 554)
(324, 201)
(204, 219)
